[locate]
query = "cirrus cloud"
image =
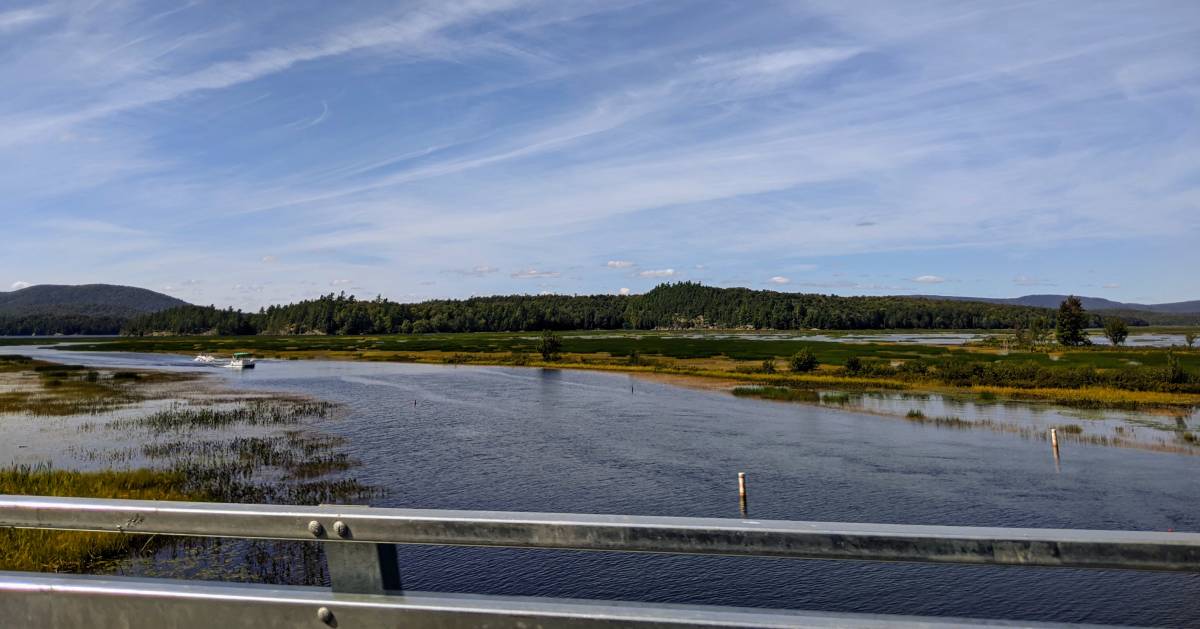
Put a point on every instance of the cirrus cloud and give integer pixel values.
(657, 273)
(532, 274)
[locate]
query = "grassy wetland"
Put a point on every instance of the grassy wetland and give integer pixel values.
(140, 433)
(1095, 376)
(143, 434)
(1156, 388)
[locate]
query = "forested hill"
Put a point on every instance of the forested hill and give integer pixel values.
(85, 309)
(681, 305)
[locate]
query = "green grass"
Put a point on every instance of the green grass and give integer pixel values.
(682, 345)
(70, 551)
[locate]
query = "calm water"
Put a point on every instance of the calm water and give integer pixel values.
(545, 440)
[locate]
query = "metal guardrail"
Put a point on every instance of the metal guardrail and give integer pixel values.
(366, 582)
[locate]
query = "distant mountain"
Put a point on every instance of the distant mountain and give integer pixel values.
(85, 299)
(1089, 303)
(84, 309)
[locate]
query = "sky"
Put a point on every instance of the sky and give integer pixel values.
(249, 153)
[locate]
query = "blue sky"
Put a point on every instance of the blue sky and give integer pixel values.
(251, 153)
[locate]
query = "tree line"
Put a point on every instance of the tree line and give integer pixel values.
(48, 324)
(684, 305)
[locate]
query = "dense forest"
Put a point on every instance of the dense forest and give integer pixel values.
(46, 324)
(681, 305)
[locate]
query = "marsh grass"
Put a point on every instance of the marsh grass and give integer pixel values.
(43, 389)
(782, 394)
(59, 551)
(290, 465)
(255, 412)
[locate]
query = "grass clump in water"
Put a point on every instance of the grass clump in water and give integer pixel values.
(782, 394)
(251, 413)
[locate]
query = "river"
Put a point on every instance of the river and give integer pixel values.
(516, 439)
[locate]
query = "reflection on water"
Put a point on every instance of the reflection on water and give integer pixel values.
(1166, 428)
(547, 440)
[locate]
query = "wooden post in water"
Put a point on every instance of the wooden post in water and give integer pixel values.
(1054, 439)
(742, 491)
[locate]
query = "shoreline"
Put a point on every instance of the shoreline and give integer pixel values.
(726, 382)
(714, 374)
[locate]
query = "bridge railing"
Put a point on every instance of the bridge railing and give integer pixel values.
(359, 544)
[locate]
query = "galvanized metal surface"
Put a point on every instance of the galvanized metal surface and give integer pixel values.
(821, 540)
(363, 568)
(33, 601)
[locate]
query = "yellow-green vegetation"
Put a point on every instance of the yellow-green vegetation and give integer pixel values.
(1088, 375)
(71, 551)
(1097, 397)
(42, 388)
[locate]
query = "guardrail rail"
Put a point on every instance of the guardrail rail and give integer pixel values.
(359, 544)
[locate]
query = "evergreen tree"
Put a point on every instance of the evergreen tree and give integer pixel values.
(1071, 323)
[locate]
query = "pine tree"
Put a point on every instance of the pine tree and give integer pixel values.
(1071, 323)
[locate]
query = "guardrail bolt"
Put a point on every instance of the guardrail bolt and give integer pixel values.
(325, 615)
(341, 529)
(316, 529)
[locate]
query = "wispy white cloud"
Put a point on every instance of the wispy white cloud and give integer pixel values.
(89, 226)
(305, 124)
(19, 18)
(477, 271)
(18, 285)
(623, 291)
(531, 274)
(929, 279)
(413, 28)
(779, 279)
(902, 137)
(770, 68)
(657, 273)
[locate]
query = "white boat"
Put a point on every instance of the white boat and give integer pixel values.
(241, 360)
(205, 358)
